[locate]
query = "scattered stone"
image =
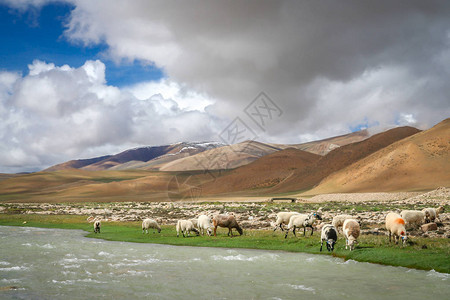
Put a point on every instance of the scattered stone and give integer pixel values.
(8, 288)
(429, 227)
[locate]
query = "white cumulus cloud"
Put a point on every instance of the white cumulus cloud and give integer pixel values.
(57, 113)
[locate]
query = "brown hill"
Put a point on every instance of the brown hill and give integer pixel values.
(421, 161)
(340, 158)
(323, 147)
(265, 172)
(305, 175)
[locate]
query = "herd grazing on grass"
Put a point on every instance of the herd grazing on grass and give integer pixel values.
(396, 225)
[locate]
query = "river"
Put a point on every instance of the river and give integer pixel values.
(63, 264)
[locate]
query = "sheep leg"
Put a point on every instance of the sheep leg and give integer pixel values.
(287, 231)
(304, 230)
(321, 244)
(312, 230)
(215, 228)
(294, 231)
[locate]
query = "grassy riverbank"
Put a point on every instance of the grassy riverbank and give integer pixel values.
(422, 253)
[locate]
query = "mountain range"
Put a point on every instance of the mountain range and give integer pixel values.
(189, 156)
(398, 159)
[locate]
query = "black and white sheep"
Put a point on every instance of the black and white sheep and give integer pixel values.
(97, 225)
(150, 223)
(302, 220)
(329, 235)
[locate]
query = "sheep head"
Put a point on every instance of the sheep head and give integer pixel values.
(352, 242)
(330, 244)
(403, 237)
(239, 229)
(317, 215)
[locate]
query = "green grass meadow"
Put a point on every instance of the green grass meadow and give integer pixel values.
(421, 253)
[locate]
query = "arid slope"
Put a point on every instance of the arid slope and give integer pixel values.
(421, 161)
(340, 158)
(265, 172)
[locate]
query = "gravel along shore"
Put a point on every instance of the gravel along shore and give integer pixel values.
(371, 208)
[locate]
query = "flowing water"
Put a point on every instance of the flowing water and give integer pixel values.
(62, 264)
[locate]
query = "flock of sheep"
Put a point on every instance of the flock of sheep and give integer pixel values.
(396, 225)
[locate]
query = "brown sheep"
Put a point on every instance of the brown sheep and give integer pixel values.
(227, 221)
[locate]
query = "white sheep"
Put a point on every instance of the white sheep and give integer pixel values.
(431, 214)
(339, 220)
(413, 218)
(204, 223)
(195, 222)
(302, 220)
(351, 231)
(97, 225)
(283, 218)
(150, 223)
(329, 234)
(395, 225)
(186, 226)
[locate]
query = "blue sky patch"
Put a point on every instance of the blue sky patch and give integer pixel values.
(32, 34)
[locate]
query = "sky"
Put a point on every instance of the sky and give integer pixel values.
(81, 78)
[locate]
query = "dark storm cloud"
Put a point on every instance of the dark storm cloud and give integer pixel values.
(329, 65)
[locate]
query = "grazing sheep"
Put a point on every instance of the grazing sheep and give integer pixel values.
(150, 223)
(395, 225)
(351, 230)
(97, 225)
(195, 222)
(329, 234)
(302, 220)
(227, 221)
(431, 214)
(186, 226)
(339, 220)
(413, 218)
(204, 223)
(283, 218)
